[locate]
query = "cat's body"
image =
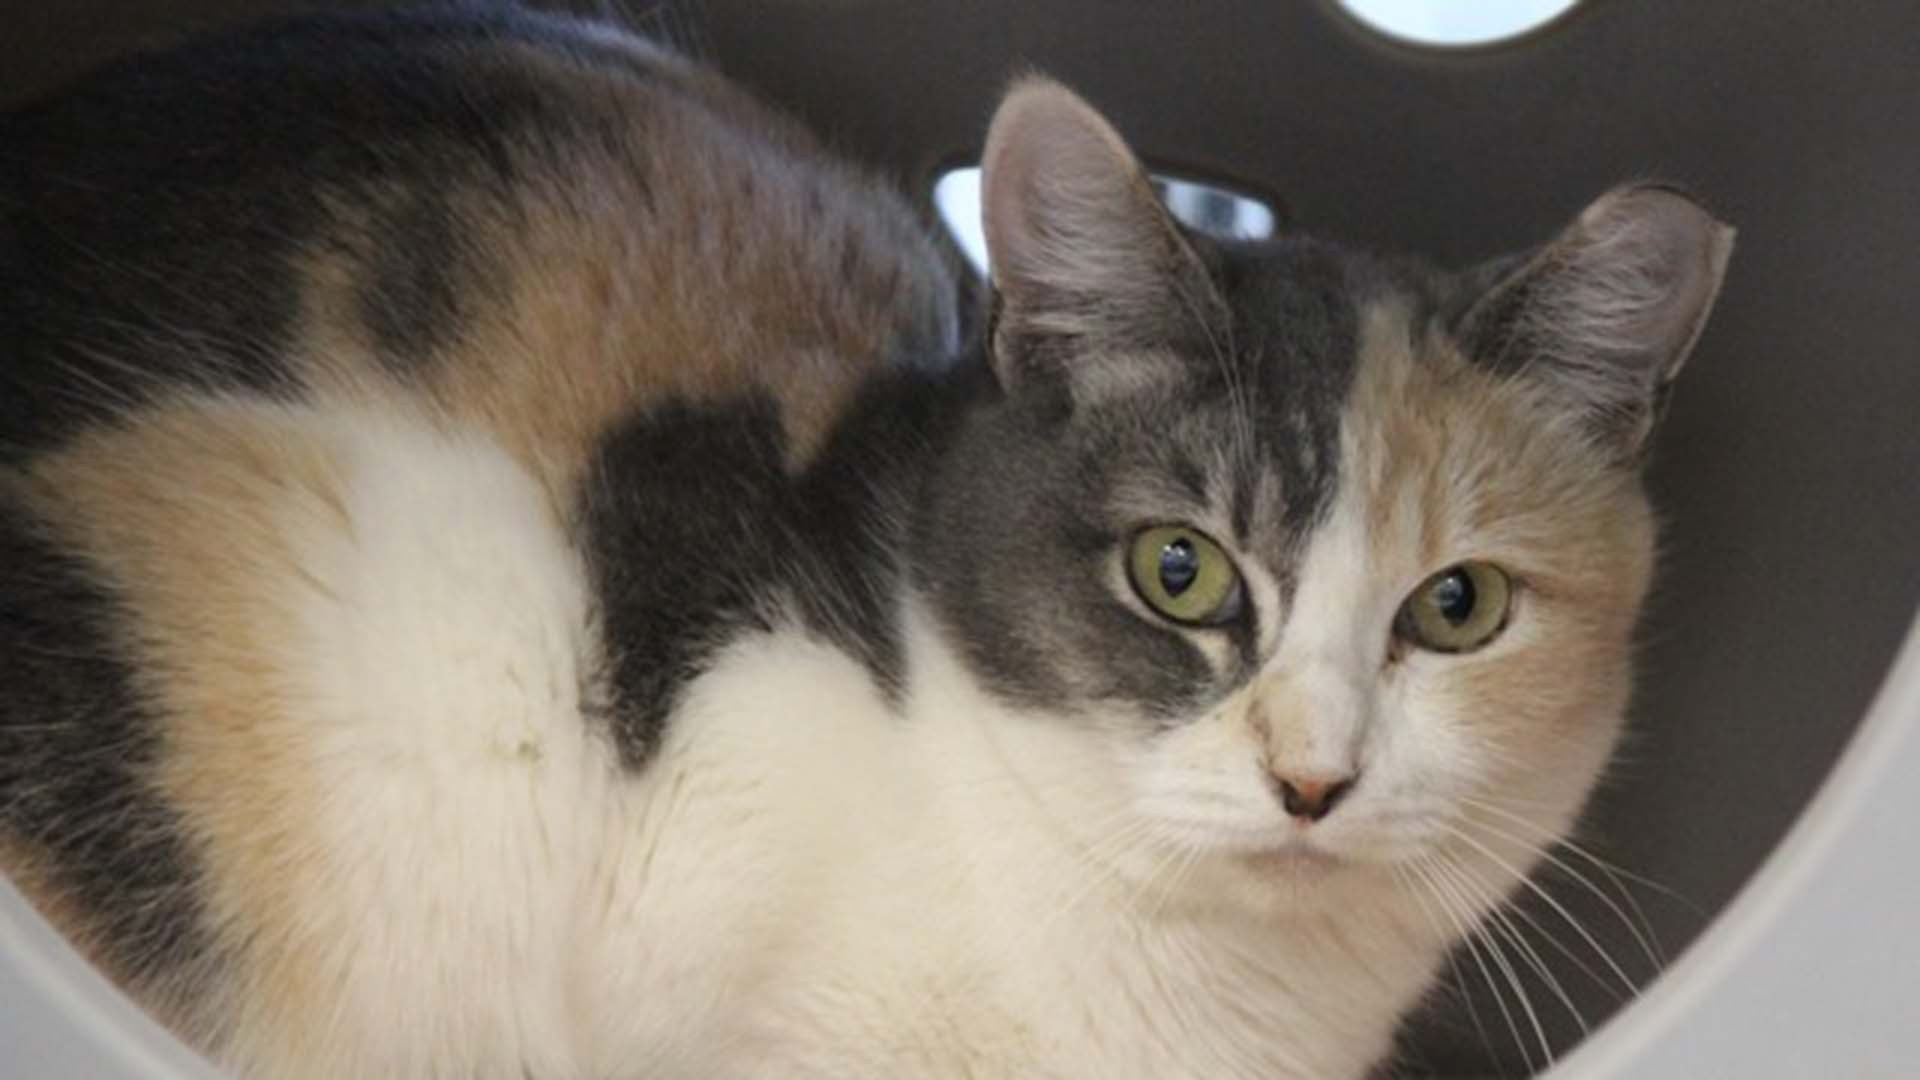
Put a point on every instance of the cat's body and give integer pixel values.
(508, 571)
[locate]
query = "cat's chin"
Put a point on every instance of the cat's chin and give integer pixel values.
(1299, 859)
(1302, 866)
(1293, 880)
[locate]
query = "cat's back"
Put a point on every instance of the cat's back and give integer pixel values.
(361, 378)
(528, 220)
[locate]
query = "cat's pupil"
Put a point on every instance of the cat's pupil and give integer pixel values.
(1178, 567)
(1453, 597)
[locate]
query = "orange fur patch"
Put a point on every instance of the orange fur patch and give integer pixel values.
(189, 508)
(715, 256)
(1460, 464)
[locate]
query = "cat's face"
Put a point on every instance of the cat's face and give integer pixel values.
(1443, 638)
(1331, 562)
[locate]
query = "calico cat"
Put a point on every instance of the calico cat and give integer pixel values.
(513, 565)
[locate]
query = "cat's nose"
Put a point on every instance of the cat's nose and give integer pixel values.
(1311, 798)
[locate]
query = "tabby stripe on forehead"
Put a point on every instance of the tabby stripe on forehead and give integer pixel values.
(1297, 317)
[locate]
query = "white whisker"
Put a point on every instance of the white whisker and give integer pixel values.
(1463, 929)
(1559, 908)
(1507, 970)
(1651, 942)
(1404, 875)
(1497, 910)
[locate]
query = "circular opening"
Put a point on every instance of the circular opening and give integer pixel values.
(1457, 24)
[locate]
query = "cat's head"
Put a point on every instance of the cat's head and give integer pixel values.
(1325, 559)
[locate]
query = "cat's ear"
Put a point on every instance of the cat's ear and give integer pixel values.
(1606, 313)
(1087, 265)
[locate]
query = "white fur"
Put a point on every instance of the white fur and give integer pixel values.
(808, 881)
(441, 649)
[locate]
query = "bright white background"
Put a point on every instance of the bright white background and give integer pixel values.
(1455, 22)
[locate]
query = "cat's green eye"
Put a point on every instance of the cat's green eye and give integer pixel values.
(1183, 575)
(1458, 609)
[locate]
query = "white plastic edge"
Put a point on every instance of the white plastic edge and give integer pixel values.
(61, 1018)
(1816, 962)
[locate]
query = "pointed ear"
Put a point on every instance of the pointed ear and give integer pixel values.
(1085, 261)
(1606, 313)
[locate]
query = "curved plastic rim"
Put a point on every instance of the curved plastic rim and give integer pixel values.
(1840, 895)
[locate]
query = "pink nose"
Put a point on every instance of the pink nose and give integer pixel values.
(1312, 799)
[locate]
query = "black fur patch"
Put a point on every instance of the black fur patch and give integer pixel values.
(695, 531)
(683, 530)
(420, 281)
(78, 748)
(152, 217)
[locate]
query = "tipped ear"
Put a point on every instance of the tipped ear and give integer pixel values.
(1084, 258)
(1608, 311)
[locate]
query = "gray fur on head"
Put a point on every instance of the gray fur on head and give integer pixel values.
(1145, 378)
